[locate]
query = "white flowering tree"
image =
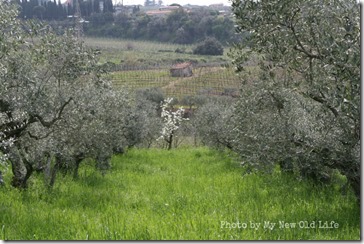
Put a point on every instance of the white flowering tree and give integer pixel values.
(171, 122)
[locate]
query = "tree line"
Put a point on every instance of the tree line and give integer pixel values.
(301, 108)
(180, 26)
(52, 10)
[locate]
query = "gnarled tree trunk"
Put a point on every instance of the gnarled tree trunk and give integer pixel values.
(21, 173)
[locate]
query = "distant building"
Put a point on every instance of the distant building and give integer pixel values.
(181, 70)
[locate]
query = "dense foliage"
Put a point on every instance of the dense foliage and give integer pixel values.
(214, 123)
(210, 46)
(55, 108)
(179, 26)
(303, 109)
(52, 10)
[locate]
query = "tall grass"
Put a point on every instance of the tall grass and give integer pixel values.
(184, 194)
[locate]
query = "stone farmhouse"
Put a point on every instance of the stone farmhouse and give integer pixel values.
(181, 70)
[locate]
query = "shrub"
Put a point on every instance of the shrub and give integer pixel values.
(210, 46)
(180, 50)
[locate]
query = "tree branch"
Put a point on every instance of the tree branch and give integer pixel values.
(48, 124)
(300, 47)
(39, 137)
(324, 102)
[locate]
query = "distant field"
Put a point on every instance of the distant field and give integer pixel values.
(141, 64)
(205, 81)
(133, 53)
(182, 194)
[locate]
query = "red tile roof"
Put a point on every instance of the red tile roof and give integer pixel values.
(181, 65)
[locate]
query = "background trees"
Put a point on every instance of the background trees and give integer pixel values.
(304, 109)
(179, 26)
(47, 10)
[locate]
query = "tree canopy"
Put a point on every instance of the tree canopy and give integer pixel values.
(55, 107)
(304, 107)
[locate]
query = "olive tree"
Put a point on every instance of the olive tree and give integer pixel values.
(214, 123)
(145, 121)
(303, 107)
(95, 127)
(55, 108)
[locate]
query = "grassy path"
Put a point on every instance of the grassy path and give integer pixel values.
(184, 194)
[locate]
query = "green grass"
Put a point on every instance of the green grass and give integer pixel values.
(182, 194)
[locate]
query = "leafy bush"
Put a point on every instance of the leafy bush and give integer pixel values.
(144, 122)
(153, 95)
(210, 46)
(180, 50)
